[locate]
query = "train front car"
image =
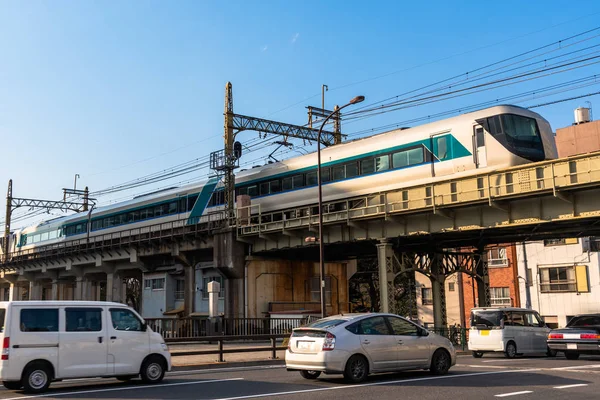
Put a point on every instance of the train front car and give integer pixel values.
(523, 133)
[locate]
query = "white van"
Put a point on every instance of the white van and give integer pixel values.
(509, 330)
(45, 341)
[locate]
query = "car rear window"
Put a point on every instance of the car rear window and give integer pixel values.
(326, 323)
(486, 318)
(2, 317)
(590, 320)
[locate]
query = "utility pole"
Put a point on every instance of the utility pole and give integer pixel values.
(7, 220)
(324, 89)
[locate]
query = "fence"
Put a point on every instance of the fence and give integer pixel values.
(171, 328)
(457, 335)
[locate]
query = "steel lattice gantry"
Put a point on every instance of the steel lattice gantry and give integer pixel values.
(437, 266)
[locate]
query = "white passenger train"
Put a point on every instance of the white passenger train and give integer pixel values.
(471, 143)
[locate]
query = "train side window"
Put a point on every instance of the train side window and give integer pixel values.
(286, 184)
(311, 178)
(442, 148)
(494, 124)
(191, 201)
(339, 172)
(242, 191)
(298, 181)
(416, 156)
(382, 163)
(173, 207)
(252, 191)
(275, 186)
(264, 188)
(367, 166)
(351, 170)
(325, 175)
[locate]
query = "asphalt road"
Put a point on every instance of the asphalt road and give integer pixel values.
(488, 378)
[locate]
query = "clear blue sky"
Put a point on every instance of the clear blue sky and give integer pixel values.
(113, 90)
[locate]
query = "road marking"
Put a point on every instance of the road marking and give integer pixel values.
(570, 386)
(120, 388)
(576, 367)
(254, 396)
(514, 393)
(506, 360)
(481, 366)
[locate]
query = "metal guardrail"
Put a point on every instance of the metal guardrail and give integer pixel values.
(221, 351)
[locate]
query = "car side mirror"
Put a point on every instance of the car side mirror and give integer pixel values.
(144, 327)
(423, 332)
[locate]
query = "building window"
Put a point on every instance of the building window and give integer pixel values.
(315, 290)
(205, 282)
(179, 289)
(451, 287)
(426, 296)
(155, 284)
(500, 296)
(497, 257)
(560, 242)
(558, 279)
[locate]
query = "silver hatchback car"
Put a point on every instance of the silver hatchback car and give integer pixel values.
(357, 345)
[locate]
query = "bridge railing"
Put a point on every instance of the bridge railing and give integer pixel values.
(555, 177)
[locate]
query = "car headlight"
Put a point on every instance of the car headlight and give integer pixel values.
(164, 346)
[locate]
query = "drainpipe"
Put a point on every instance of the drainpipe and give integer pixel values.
(461, 299)
(527, 283)
(246, 290)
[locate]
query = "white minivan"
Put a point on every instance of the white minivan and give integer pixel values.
(508, 330)
(45, 341)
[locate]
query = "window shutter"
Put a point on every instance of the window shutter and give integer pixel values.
(582, 278)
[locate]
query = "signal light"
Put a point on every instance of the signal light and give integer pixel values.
(589, 336)
(329, 343)
(555, 336)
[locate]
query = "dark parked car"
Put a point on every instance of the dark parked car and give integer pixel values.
(580, 336)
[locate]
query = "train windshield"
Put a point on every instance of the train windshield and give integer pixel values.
(518, 134)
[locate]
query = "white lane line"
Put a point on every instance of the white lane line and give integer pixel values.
(482, 366)
(576, 367)
(172, 373)
(254, 396)
(570, 386)
(513, 393)
(121, 388)
(507, 360)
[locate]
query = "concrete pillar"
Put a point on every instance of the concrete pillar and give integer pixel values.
(114, 287)
(54, 290)
(438, 290)
(35, 290)
(385, 253)
(189, 296)
(78, 291)
(13, 295)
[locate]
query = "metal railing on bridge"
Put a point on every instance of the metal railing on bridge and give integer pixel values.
(554, 177)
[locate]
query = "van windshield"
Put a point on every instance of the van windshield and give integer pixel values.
(485, 319)
(2, 316)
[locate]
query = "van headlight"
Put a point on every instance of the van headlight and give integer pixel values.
(164, 346)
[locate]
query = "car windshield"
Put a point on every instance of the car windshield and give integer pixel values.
(590, 320)
(486, 319)
(326, 323)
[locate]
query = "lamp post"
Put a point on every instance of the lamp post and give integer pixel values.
(355, 100)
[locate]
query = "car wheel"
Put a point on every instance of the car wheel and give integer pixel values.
(440, 362)
(477, 354)
(310, 374)
(571, 355)
(551, 353)
(357, 369)
(12, 385)
(511, 350)
(36, 378)
(153, 370)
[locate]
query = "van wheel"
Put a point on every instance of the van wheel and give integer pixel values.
(36, 378)
(477, 354)
(12, 385)
(511, 350)
(310, 374)
(357, 369)
(153, 370)
(440, 362)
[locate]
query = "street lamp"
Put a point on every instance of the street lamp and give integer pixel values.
(355, 100)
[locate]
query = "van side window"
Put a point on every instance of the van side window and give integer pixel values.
(533, 320)
(518, 318)
(39, 320)
(125, 320)
(83, 319)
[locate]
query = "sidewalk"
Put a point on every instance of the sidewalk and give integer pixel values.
(232, 359)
